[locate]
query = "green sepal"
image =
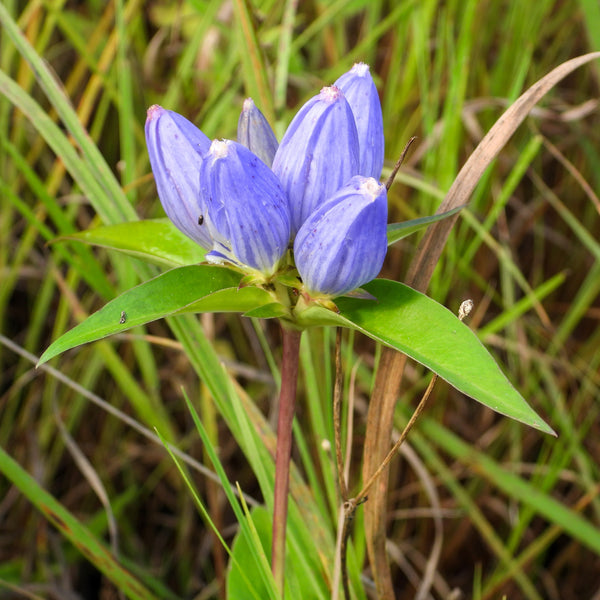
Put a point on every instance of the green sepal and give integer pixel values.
(290, 279)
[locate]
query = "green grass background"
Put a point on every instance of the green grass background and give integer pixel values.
(485, 505)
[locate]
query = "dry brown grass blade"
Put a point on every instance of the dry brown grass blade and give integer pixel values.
(391, 367)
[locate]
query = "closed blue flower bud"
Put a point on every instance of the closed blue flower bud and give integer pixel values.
(361, 94)
(318, 153)
(175, 147)
(255, 133)
(247, 213)
(342, 245)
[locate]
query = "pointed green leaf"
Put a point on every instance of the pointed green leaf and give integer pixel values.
(156, 241)
(195, 288)
(413, 323)
(398, 231)
(240, 580)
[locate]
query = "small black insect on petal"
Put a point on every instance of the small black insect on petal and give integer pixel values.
(200, 219)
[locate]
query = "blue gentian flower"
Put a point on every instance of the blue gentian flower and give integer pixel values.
(361, 94)
(318, 153)
(175, 147)
(255, 133)
(321, 194)
(247, 212)
(343, 243)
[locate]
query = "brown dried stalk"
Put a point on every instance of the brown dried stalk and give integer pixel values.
(391, 366)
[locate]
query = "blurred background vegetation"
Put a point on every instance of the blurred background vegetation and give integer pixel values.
(511, 512)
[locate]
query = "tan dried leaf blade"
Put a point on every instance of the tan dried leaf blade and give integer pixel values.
(389, 374)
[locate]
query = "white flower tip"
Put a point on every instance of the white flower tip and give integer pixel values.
(219, 148)
(248, 105)
(330, 94)
(154, 111)
(361, 69)
(372, 187)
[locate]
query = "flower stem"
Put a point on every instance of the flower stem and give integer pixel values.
(287, 401)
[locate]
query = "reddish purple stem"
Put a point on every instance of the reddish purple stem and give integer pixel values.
(287, 402)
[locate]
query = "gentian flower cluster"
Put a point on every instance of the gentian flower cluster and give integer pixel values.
(312, 203)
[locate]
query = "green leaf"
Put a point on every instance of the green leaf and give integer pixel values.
(156, 241)
(398, 231)
(195, 288)
(413, 323)
(242, 579)
(242, 569)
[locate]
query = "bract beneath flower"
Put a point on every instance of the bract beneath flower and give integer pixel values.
(342, 244)
(361, 94)
(175, 147)
(318, 153)
(247, 214)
